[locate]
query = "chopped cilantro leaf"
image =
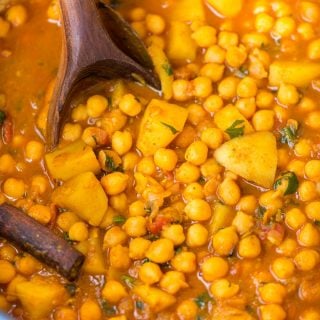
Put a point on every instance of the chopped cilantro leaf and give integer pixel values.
(119, 219)
(128, 280)
(202, 299)
(173, 129)
(289, 181)
(236, 129)
(168, 69)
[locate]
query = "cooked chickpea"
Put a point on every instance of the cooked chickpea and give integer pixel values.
(34, 150)
(137, 208)
(66, 219)
(272, 293)
(150, 273)
(96, 105)
(283, 268)
(7, 164)
(129, 161)
(303, 148)
(138, 248)
(264, 99)
(214, 268)
(173, 281)
(306, 259)
(296, 166)
(155, 23)
(312, 120)
(146, 166)
(205, 36)
(71, 132)
(227, 88)
(197, 153)
(263, 22)
(79, 113)
(119, 202)
(27, 265)
(121, 142)
(181, 90)
(202, 87)
(224, 289)
(138, 14)
(295, 218)
(312, 210)
(212, 137)
(14, 188)
(184, 262)
(284, 26)
(272, 311)
(213, 103)
(198, 209)
(312, 169)
(213, 71)
(4, 28)
(174, 232)
(288, 94)
(135, 226)
(236, 56)
(229, 192)
(243, 222)
(224, 241)
(165, 159)
(65, 313)
(90, 310)
(114, 183)
(287, 247)
(187, 173)
(17, 15)
(79, 231)
(263, 120)
(306, 31)
(113, 237)
(314, 50)
(187, 310)
(308, 235)
(227, 39)
(8, 271)
(196, 114)
(197, 235)
(7, 252)
(247, 106)
(140, 28)
(247, 204)
(214, 54)
(309, 11)
(40, 213)
(307, 191)
(247, 88)
(160, 251)
(130, 105)
(249, 247)
(119, 257)
(310, 314)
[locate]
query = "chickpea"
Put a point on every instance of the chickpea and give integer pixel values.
(197, 153)
(165, 159)
(272, 293)
(7, 164)
(213, 71)
(65, 313)
(4, 28)
(94, 136)
(306, 259)
(173, 281)
(210, 168)
(283, 268)
(249, 247)
(287, 247)
(264, 99)
(283, 158)
(202, 87)
(138, 14)
(8, 253)
(140, 28)
(197, 235)
(186, 137)
(119, 202)
(40, 213)
(119, 257)
(288, 94)
(212, 137)
(193, 191)
(312, 210)
(138, 248)
(227, 39)
(34, 150)
(160, 251)
(255, 40)
(66, 219)
(181, 90)
(303, 148)
(187, 310)
(214, 268)
(27, 265)
(247, 88)
(314, 50)
(205, 36)
(307, 191)
(184, 262)
(246, 106)
(295, 218)
(155, 40)
(14, 188)
(224, 241)
(137, 208)
(243, 222)
(121, 142)
(90, 310)
(113, 237)
(214, 54)
(247, 204)
(284, 26)
(114, 183)
(196, 114)
(224, 289)
(312, 120)
(155, 24)
(198, 209)
(272, 311)
(150, 273)
(296, 166)
(187, 173)
(130, 105)
(263, 22)
(236, 56)
(213, 103)
(310, 12)
(79, 231)
(8, 272)
(306, 31)
(310, 314)
(96, 105)
(263, 120)
(71, 132)
(312, 169)
(229, 192)
(135, 226)
(129, 161)
(308, 235)
(227, 88)
(17, 15)
(174, 232)
(79, 113)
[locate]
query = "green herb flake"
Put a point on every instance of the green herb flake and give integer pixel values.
(236, 129)
(71, 288)
(66, 237)
(289, 134)
(147, 210)
(260, 212)
(107, 308)
(2, 117)
(139, 305)
(317, 223)
(202, 300)
(289, 181)
(119, 219)
(173, 129)
(242, 72)
(202, 180)
(167, 68)
(128, 280)
(111, 165)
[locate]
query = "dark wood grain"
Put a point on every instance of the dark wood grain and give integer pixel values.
(39, 241)
(90, 51)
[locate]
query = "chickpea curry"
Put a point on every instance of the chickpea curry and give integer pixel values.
(198, 202)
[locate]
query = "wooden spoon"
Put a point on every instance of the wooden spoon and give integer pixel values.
(97, 43)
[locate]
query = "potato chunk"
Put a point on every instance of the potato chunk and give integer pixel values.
(187, 10)
(40, 296)
(157, 299)
(84, 195)
(180, 32)
(161, 123)
(253, 157)
(227, 8)
(71, 160)
(297, 73)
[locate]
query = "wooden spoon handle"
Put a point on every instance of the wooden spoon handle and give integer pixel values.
(34, 238)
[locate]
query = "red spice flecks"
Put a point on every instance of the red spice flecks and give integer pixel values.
(156, 226)
(7, 130)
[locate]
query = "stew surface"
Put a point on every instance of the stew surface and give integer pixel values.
(202, 202)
